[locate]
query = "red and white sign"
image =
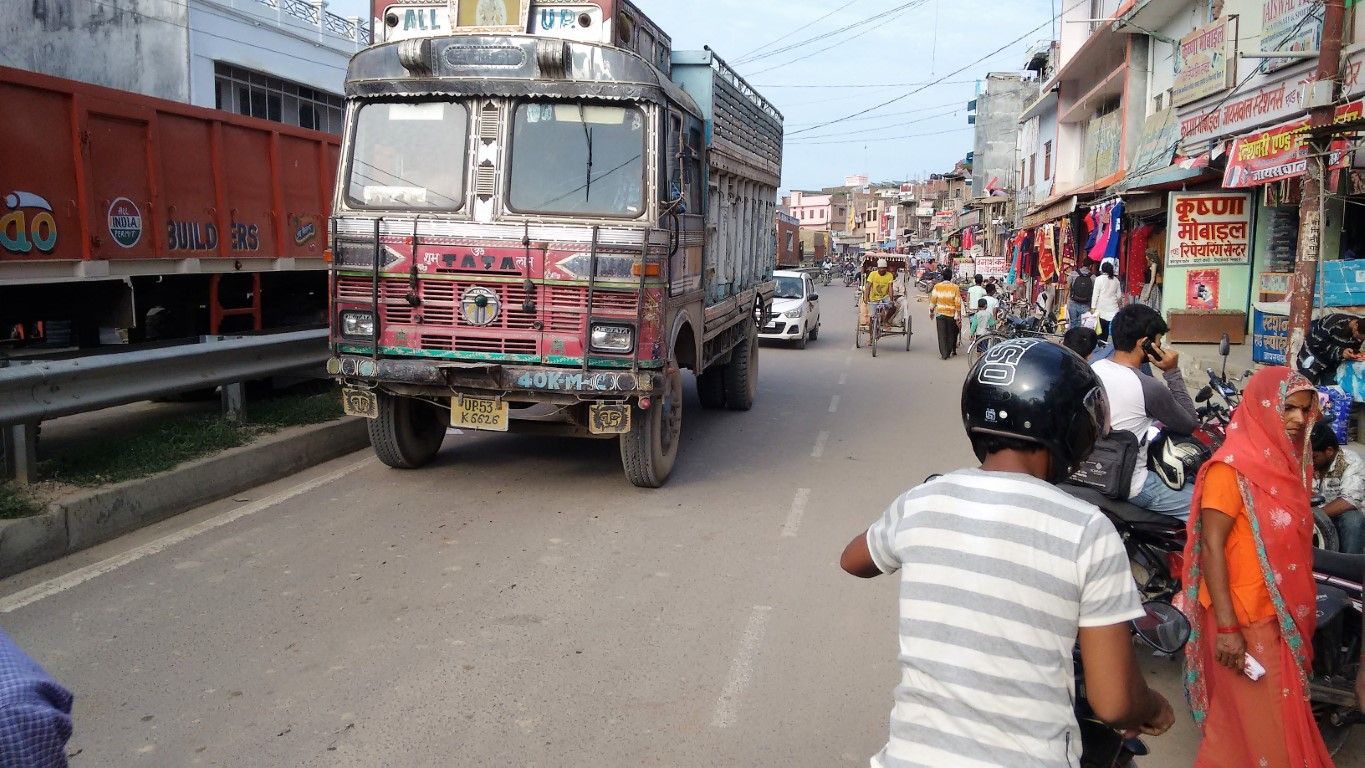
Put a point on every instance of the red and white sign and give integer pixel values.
(1208, 228)
(1280, 153)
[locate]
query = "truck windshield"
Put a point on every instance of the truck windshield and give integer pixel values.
(409, 156)
(578, 159)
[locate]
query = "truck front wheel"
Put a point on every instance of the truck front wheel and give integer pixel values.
(650, 448)
(741, 374)
(408, 432)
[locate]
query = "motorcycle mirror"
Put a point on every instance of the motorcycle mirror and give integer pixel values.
(1164, 628)
(1224, 346)
(1204, 394)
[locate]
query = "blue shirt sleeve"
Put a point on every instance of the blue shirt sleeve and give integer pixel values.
(35, 712)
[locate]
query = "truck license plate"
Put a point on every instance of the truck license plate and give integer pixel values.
(359, 402)
(478, 413)
(609, 419)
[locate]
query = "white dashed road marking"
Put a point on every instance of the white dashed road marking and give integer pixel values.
(834, 404)
(794, 515)
(741, 669)
(819, 449)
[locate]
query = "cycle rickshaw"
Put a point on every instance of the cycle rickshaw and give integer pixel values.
(870, 324)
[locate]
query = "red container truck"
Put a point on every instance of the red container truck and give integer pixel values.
(126, 218)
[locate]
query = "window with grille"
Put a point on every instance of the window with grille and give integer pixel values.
(255, 94)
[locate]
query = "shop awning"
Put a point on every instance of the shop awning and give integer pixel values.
(1050, 210)
(1170, 176)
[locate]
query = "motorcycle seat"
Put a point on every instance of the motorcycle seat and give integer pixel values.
(1340, 564)
(1123, 510)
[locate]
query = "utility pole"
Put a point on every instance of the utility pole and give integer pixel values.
(1304, 285)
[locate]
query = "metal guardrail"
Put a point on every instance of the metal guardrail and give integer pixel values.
(33, 392)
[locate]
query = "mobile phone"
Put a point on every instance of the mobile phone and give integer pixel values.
(1252, 668)
(1151, 350)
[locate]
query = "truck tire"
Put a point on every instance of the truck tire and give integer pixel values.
(741, 375)
(650, 448)
(408, 432)
(711, 387)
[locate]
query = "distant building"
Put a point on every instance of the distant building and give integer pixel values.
(788, 240)
(811, 209)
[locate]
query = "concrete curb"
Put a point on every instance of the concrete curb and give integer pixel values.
(77, 522)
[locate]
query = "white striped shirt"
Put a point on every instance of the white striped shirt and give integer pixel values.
(998, 572)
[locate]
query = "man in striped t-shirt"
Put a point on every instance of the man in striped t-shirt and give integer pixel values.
(1001, 573)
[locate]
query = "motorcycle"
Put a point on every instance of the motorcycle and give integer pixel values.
(1165, 630)
(1336, 645)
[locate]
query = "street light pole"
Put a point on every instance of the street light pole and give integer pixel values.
(1303, 287)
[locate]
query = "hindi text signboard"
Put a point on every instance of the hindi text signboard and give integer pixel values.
(1208, 228)
(1206, 58)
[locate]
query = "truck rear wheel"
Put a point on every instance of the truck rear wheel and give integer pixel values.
(711, 387)
(650, 448)
(741, 374)
(408, 432)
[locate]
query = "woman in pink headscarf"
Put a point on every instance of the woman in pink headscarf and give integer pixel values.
(1249, 584)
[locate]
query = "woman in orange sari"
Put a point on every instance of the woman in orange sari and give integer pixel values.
(1249, 584)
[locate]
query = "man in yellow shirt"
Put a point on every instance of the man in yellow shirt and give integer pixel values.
(877, 291)
(945, 307)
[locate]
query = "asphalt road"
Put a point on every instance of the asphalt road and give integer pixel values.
(519, 603)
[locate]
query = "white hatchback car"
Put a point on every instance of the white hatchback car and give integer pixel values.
(796, 309)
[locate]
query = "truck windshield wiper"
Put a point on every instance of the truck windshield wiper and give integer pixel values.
(587, 134)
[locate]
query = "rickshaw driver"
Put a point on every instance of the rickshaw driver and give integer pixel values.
(877, 292)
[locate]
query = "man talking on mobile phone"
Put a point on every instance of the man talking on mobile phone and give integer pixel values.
(1138, 401)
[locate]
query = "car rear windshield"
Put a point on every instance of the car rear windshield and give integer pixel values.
(409, 156)
(789, 288)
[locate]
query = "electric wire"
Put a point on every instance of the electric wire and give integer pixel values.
(744, 56)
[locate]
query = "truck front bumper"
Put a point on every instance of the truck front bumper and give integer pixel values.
(536, 382)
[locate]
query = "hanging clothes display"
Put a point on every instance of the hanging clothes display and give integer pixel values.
(1066, 246)
(1047, 252)
(1091, 230)
(968, 239)
(1103, 227)
(1135, 273)
(1112, 245)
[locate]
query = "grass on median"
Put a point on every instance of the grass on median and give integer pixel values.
(15, 502)
(168, 442)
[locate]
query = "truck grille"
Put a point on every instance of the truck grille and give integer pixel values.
(567, 306)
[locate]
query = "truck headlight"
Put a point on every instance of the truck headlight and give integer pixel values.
(794, 313)
(612, 338)
(357, 324)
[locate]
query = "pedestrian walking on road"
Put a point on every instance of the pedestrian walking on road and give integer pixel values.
(945, 307)
(1105, 297)
(1002, 572)
(35, 712)
(1249, 583)
(1081, 289)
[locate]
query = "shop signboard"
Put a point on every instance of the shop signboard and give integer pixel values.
(924, 210)
(1201, 289)
(1156, 145)
(1264, 99)
(1279, 152)
(1205, 61)
(991, 266)
(1289, 25)
(1208, 228)
(1269, 336)
(945, 220)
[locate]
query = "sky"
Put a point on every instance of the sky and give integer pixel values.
(906, 45)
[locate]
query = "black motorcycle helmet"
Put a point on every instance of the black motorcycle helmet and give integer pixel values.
(1038, 392)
